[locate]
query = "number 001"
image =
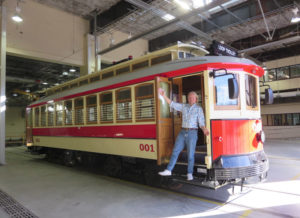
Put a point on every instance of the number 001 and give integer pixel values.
(146, 147)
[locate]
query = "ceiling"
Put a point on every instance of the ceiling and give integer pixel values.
(259, 29)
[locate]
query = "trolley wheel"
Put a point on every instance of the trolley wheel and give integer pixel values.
(69, 158)
(113, 166)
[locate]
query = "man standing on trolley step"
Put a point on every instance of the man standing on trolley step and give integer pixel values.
(192, 116)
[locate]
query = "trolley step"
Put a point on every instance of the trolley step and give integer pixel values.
(199, 157)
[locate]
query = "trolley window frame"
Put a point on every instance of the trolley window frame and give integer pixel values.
(105, 103)
(249, 107)
(227, 107)
(88, 106)
(127, 100)
(137, 119)
(78, 108)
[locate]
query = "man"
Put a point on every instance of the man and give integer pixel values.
(192, 117)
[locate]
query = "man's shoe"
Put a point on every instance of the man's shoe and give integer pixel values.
(165, 173)
(190, 177)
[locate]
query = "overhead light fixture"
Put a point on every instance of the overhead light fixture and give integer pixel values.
(183, 4)
(296, 16)
(17, 17)
(15, 94)
(65, 73)
(72, 70)
(27, 90)
(198, 3)
(44, 83)
(168, 17)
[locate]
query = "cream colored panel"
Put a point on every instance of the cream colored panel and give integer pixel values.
(283, 62)
(281, 132)
(141, 148)
(283, 84)
(280, 108)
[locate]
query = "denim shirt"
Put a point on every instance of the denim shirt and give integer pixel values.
(191, 115)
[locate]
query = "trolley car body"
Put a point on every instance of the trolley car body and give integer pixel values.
(118, 111)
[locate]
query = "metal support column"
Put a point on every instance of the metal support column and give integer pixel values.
(97, 57)
(2, 83)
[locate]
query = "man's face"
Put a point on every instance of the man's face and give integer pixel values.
(192, 99)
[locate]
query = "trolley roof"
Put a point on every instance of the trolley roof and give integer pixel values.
(167, 69)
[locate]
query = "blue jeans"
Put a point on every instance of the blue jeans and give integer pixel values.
(188, 138)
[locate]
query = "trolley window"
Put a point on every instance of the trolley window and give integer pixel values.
(144, 102)
(106, 107)
(36, 116)
(29, 117)
(59, 113)
(50, 110)
(108, 74)
(79, 111)
(222, 100)
(95, 78)
(68, 112)
(124, 105)
(251, 91)
(43, 116)
(91, 102)
(83, 82)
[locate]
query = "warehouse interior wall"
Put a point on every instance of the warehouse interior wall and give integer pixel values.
(53, 35)
(283, 62)
(46, 33)
(15, 123)
(136, 48)
(282, 132)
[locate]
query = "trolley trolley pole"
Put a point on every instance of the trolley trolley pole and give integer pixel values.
(2, 82)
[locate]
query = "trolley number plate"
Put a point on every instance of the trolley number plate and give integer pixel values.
(146, 147)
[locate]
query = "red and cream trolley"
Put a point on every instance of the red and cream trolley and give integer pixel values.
(118, 114)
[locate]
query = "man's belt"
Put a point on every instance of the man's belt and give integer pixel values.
(187, 129)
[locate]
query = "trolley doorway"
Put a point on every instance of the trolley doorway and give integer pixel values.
(180, 89)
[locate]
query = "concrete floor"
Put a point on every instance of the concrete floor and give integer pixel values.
(50, 190)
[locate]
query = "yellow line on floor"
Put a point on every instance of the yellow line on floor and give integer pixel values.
(296, 177)
(246, 213)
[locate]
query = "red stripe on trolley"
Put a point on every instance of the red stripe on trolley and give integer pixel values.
(121, 131)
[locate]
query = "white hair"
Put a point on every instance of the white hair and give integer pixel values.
(192, 92)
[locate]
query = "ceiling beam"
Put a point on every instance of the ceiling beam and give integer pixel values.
(160, 13)
(176, 20)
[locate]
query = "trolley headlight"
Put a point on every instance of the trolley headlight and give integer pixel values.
(261, 136)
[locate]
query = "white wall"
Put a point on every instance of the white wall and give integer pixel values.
(15, 122)
(136, 48)
(46, 33)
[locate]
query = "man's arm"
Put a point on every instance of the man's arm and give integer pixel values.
(205, 130)
(163, 94)
(202, 122)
